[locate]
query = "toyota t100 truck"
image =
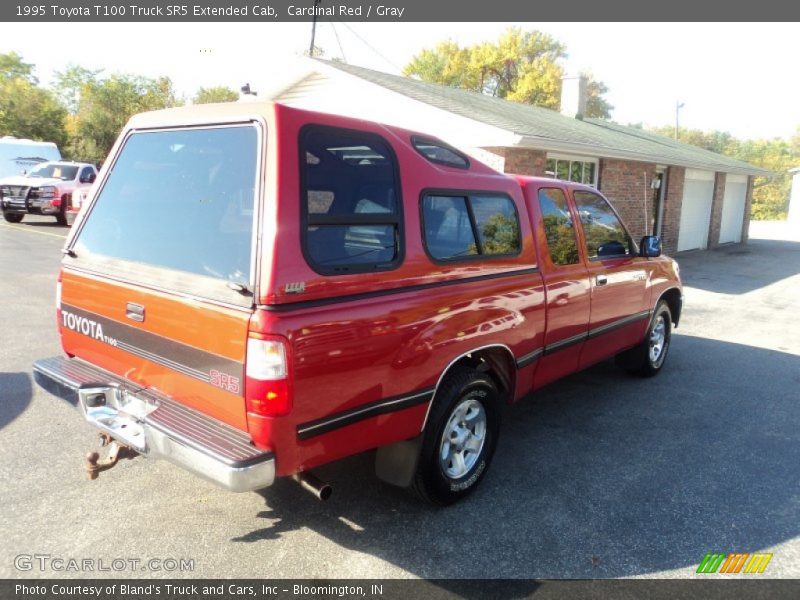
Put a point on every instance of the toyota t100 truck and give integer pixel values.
(254, 291)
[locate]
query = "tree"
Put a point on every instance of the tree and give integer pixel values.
(69, 83)
(106, 105)
(596, 105)
(12, 67)
(28, 111)
(215, 94)
(521, 66)
(770, 194)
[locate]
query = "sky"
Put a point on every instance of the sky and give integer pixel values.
(735, 77)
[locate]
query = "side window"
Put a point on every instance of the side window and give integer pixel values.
(439, 152)
(351, 201)
(86, 173)
(558, 227)
(605, 234)
(466, 226)
(497, 224)
(448, 229)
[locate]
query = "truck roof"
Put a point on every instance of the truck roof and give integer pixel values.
(529, 179)
(205, 114)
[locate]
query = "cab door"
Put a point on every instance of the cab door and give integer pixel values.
(618, 279)
(566, 281)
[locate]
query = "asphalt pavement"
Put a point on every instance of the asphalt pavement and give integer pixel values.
(599, 475)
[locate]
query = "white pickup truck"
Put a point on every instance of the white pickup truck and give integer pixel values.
(48, 189)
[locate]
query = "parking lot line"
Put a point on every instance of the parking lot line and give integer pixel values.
(23, 228)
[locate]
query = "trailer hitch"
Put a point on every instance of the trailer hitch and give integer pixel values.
(116, 451)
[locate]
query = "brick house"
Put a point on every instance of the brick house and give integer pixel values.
(692, 197)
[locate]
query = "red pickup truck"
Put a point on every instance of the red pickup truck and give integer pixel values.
(256, 290)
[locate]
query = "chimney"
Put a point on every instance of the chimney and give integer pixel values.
(573, 96)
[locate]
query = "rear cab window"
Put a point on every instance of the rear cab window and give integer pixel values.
(351, 203)
(559, 228)
(461, 226)
(177, 211)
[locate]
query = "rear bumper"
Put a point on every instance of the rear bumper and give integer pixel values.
(157, 426)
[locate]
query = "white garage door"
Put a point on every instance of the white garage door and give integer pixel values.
(698, 193)
(733, 209)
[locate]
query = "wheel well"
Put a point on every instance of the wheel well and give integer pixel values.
(495, 361)
(674, 300)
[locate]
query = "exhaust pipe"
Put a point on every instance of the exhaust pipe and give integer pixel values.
(313, 484)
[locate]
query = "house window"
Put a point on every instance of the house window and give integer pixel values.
(571, 168)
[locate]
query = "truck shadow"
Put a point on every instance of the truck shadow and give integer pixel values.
(740, 268)
(599, 475)
(16, 393)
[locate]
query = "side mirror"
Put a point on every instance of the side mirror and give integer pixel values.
(650, 246)
(91, 178)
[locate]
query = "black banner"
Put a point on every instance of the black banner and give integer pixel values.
(395, 589)
(394, 10)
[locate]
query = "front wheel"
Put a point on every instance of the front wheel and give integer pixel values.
(647, 359)
(460, 437)
(61, 215)
(13, 217)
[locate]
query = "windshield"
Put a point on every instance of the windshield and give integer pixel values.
(55, 171)
(179, 200)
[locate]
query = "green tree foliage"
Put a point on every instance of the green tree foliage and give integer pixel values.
(12, 67)
(770, 194)
(105, 106)
(500, 235)
(69, 83)
(26, 110)
(560, 239)
(215, 94)
(521, 66)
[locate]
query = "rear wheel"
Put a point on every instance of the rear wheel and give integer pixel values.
(647, 359)
(12, 217)
(460, 437)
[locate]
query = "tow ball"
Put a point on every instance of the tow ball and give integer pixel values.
(116, 451)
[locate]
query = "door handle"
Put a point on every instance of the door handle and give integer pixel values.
(135, 312)
(601, 280)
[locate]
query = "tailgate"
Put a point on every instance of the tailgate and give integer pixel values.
(191, 351)
(159, 277)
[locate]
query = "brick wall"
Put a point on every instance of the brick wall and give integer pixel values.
(673, 200)
(623, 183)
(748, 205)
(716, 210)
(525, 161)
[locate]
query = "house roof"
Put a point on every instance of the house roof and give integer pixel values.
(546, 129)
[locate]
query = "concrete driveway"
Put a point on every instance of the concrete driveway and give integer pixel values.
(600, 475)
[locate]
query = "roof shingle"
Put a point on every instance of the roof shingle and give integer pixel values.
(549, 130)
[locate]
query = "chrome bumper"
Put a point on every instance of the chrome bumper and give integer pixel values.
(157, 426)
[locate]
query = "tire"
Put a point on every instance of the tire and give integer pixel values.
(648, 358)
(448, 470)
(61, 216)
(13, 217)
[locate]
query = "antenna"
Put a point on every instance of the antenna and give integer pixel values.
(313, 28)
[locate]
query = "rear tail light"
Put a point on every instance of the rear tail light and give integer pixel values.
(58, 292)
(58, 310)
(267, 388)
